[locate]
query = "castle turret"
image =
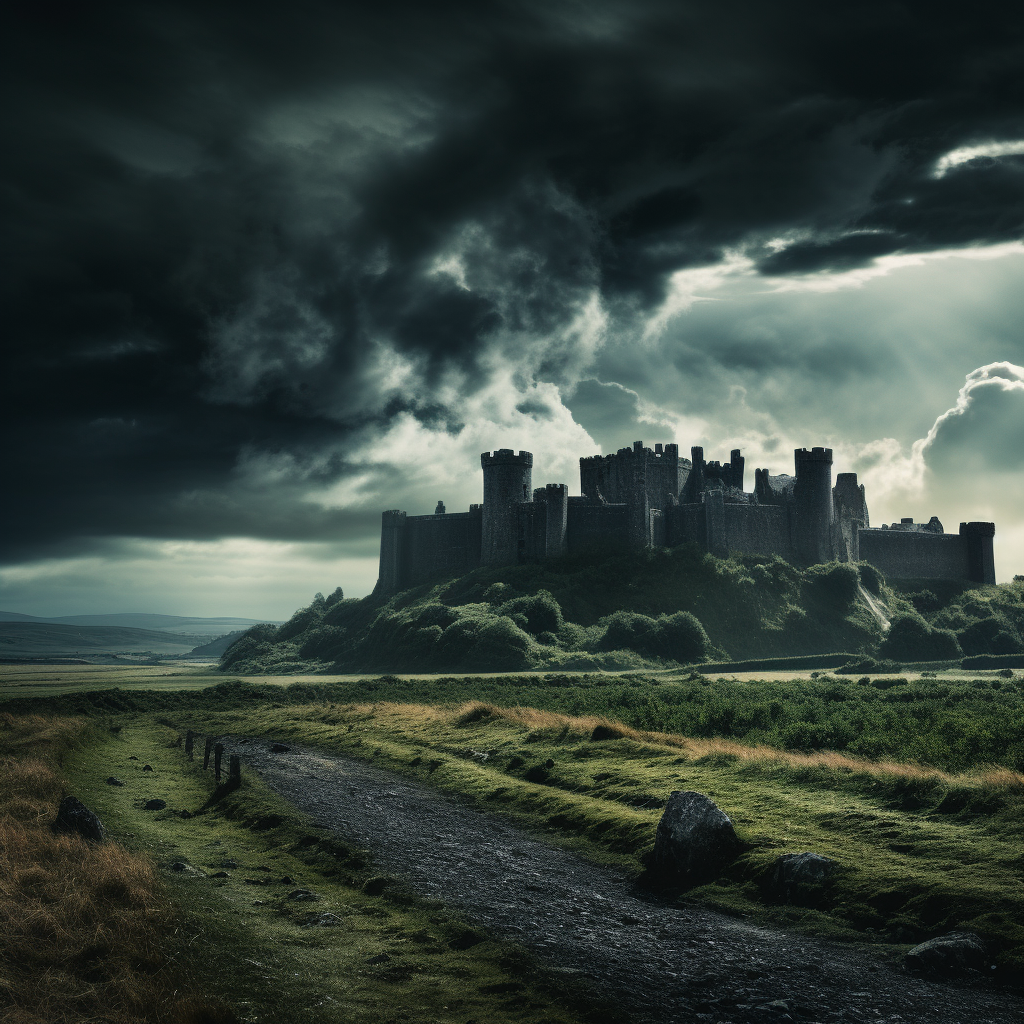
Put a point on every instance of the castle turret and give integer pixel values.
(556, 498)
(981, 566)
(813, 500)
(392, 532)
(507, 480)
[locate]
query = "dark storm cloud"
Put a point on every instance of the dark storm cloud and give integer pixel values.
(226, 225)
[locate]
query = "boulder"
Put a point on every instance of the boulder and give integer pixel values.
(74, 817)
(795, 876)
(954, 953)
(695, 840)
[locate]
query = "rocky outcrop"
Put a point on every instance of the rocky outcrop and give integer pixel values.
(795, 877)
(955, 953)
(695, 840)
(74, 817)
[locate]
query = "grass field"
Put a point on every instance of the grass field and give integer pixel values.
(388, 957)
(913, 783)
(922, 850)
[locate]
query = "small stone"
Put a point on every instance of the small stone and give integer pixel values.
(303, 896)
(380, 958)
(954, 953)
(155, 805)
(114, 782)
(132, 757)
(797, 875)
(287, 880)
(147, 768)
(695, 839)
(185, 815)
(74, 816)
(324, 920)
(262, 867)
(220, 874)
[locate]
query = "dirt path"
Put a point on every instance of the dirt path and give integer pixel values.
(660, 963)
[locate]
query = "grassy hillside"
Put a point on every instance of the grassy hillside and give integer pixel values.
(43, 639)
(667, 606)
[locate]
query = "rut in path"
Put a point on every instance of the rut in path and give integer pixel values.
(659, 963)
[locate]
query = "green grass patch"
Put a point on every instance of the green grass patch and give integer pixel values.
(387, 954)
(922, 851)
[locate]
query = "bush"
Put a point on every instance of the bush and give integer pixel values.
(541, 612)
(910, 638)
(679, 637)
(870, 578)
(834, 582)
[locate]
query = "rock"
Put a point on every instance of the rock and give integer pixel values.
(185, 815)
(187, 869)
(303, 896)
(220, 874)
(147, 767)
(695, 839)
(114, 782)
(155, 805)
(380, 958)
(279, 748)
(325, 920)
(954, 953)
(796, 875)
(74, 817)
(132, 757)
(287, 880)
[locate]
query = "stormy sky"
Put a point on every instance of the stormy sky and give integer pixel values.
(272, 268)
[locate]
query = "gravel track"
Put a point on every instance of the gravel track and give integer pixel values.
(659, 963)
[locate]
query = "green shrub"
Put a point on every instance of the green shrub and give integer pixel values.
(910, 638)
(541, 612)
(835, 582)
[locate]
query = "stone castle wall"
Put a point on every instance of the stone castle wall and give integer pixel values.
(641, 498)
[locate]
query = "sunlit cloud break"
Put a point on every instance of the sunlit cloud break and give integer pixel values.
(965, 154)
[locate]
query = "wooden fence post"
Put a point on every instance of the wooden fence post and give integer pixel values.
(206, 752)
(218, 753)
(235, 772)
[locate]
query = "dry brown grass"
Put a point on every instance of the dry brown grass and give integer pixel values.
(1005, 780)
(81, 924)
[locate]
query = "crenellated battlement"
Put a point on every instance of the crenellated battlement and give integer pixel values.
(506, 457)
(814, 455)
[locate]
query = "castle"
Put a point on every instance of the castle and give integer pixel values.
(642, 498)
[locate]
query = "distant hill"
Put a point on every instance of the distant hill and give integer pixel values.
(215, 648)
(203, 626)
(21, 639)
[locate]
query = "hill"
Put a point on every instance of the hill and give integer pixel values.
(665, 606)
(46, 639)
(193, 625)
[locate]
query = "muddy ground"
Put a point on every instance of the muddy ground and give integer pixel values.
(658, 963)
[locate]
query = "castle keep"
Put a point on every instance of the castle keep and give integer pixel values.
(641, 498)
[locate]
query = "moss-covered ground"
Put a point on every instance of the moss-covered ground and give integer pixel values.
(922, 850)
(385, 955)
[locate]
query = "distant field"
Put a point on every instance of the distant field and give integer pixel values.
(47, 639)
(50, 680)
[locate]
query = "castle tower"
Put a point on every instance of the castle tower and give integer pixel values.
(507, 480)
(392, 533)
(813, 499)
(556, 497)
(980, 564)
